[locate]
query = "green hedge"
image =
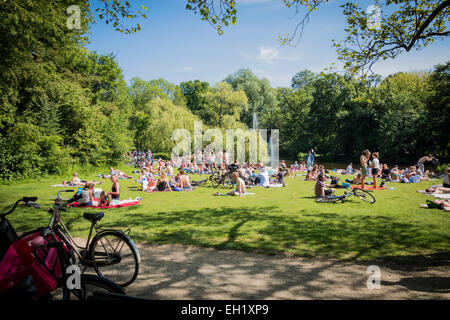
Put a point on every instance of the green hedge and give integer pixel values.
(162, 155)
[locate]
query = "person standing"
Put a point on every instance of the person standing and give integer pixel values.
(375, 168)
(364, 159)
(310, 159)
(421, 162)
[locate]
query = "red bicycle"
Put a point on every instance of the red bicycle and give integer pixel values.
(34, 266)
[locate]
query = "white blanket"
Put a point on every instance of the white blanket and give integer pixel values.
(442, 196)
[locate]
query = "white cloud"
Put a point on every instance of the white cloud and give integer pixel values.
(268, 54)
(253, 1)
(187, 69)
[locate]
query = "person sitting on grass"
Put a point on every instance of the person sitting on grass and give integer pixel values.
(356, 180)
(163, 183)
(312, 173)
(395, 174)
(105, 199)
(385, 173)
(115, 191)
(240, 186)
(322, 190)
(302, 166)
(350, 169)
(446, 178)
(183, 180)
(263, 178)
(280, 176)
(87, 196)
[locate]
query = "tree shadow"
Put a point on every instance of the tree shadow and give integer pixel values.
(423, 284)
(265, 229)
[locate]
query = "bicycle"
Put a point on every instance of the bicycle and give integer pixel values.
(111, 252)
(222, 177)
(359, 193)
(35, 265)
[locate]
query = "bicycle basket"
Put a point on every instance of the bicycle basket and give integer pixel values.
(7, 236)
(22, 260)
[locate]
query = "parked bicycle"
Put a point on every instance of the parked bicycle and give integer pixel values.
(111, 251)
(222, 177)
(34, 266)
(361, 194)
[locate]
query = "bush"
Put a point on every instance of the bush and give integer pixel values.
(443, 166)
(162, 155)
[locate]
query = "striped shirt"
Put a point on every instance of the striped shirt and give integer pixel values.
(319, 186)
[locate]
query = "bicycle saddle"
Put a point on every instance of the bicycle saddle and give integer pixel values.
(93, 216)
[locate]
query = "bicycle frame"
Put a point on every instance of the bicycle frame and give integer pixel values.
(58, 226)
(83, 251)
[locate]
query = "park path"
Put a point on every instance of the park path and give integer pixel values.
(175, 271)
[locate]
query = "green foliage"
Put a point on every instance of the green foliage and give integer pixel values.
(223, 106)
(162, 155)
(261, 96)
(403, 25)
(402, 117)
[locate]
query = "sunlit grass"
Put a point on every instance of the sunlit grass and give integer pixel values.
(273, 220)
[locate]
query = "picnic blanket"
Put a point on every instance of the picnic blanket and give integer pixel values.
(369, 187)
(442, 195)
(156, 190)
(124, 203)
(227, 194)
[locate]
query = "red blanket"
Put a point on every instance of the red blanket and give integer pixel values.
(368, 187)
(126, 204)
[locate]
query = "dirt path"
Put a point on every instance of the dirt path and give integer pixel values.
(189, 272)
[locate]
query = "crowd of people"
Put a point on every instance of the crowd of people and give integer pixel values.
(159, 175)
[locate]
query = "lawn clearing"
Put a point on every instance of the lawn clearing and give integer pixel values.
(271, 221)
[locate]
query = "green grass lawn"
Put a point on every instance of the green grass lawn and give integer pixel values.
(273, 220)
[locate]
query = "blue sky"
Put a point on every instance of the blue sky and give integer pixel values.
(177, 45)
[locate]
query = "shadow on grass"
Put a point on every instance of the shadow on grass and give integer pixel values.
(423, 284)
(268, 230)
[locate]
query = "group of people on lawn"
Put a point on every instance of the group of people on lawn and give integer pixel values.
(245, 176)
(371, 167)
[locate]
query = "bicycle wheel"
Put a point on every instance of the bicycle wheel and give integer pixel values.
(364, 195)
(228, 181)
(215, 179)
(115, 257)
(90, 284)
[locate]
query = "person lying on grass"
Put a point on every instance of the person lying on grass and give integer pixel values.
(435, 190)
(75, 182)
(322, 190)
(118, 173)
(437, 204)
(240, 186)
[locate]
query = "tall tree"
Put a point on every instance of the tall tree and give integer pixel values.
(261, 96)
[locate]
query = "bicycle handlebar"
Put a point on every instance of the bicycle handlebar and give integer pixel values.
(24, 199)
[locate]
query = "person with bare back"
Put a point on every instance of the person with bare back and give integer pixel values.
(421, 162)
(364, 159)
